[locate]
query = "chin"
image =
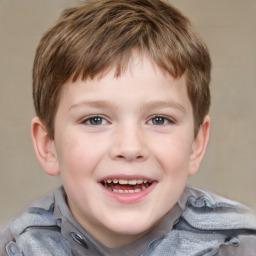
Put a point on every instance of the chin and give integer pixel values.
(137, 226)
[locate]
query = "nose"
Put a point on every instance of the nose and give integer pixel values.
(129, 144)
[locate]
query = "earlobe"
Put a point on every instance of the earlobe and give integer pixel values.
(44, 147)
(199, 146)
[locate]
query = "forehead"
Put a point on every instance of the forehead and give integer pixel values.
(143, 83)
(140, 69)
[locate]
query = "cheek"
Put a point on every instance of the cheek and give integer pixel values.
(78, 155)
(174, 155)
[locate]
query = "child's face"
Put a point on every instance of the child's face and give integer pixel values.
(137, 129)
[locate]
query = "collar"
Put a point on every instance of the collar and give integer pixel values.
(83, 243)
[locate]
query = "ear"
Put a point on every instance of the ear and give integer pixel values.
(199, 146)
(44, 147)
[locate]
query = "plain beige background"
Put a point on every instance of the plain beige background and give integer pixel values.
(229, 29)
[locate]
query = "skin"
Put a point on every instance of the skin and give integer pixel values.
(143, 129)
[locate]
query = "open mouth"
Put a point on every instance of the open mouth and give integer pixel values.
(124, 186)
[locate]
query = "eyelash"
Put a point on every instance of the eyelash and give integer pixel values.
(97, 118)
(93, 118)
(166, 120)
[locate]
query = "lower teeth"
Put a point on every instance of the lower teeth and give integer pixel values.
(120, 191)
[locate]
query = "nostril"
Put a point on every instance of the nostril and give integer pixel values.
(120, 156)
(130, 157)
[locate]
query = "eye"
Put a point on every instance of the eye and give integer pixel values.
(95, 120)
(160, 120)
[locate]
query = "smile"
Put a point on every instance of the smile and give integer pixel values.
(124, 186)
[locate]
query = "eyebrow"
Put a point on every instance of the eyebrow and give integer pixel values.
(148, 105)
(95, 104)
(164, 104)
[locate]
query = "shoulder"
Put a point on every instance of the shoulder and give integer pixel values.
(5, 237)
(214, 200)
(7, 233)
(247, 247)
(206, 210)
(231, 224)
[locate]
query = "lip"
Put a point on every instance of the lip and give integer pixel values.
(128, 198)
(126, 177)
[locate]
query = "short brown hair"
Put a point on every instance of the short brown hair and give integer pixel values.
(101, 34)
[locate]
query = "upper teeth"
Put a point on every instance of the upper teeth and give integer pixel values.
(125, 182)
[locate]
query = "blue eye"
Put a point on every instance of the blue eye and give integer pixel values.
(95, 120)
(159, 120)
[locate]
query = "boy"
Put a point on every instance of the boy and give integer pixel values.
(121, 92)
